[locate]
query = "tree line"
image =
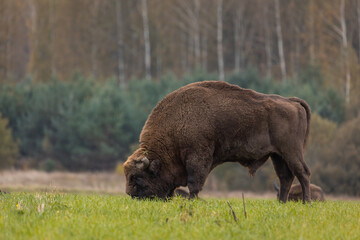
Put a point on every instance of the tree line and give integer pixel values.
(148, 38)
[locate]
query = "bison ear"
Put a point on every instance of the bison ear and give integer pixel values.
(142, 164)
(155, 166)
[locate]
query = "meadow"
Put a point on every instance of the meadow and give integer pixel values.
(54, 215)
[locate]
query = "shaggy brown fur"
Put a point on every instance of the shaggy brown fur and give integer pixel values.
(295, 193)
(204, 124)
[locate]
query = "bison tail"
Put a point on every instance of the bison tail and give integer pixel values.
(308, 116)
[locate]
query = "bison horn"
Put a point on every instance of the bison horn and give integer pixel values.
(276, 186)
(143, 163)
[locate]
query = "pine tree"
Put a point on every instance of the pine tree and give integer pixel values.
(8, 146)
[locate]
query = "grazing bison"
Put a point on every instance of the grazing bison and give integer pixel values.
(295, 193)
(204, 124)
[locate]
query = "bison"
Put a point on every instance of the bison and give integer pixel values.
(204, 124)
(295, 193)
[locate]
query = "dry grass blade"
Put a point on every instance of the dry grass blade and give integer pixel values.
(233, 213)
(244, 205)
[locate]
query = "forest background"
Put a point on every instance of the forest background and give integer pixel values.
(78, 78)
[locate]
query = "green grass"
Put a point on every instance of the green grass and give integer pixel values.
(78, 216)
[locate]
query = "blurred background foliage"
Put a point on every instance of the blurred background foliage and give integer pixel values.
(8, 146)
(81, 125)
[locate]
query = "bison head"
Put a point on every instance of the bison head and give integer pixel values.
(144, 177)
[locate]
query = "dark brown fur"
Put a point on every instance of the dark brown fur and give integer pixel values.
(204, 124)
(295, 193)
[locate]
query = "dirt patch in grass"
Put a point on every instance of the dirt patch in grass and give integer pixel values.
(106, 182)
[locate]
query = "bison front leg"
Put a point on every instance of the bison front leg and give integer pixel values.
(197, 172)
(285, 176)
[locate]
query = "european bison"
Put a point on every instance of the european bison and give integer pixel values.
(204, 124)
(295, 193)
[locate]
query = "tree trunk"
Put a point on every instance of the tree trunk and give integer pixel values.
(33, 37)
(183, 52)
(267, 40)
(358, 18)
(146, 40)
(237, 23)
(158, 64)
(280, 40)
(220, 40)
(312, 32)
(297, 53)
(9, 39)
(94, 50)
(197, 32)
(120, 45)
(204, 51)
(190, 51)
(52, 37)
(345, 51)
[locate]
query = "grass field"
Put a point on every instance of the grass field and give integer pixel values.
(94, 216)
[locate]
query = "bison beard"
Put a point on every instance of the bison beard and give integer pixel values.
(202, 125)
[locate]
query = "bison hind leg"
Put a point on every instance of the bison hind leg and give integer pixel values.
(302, 173)
(285, 176)
(300, 169)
